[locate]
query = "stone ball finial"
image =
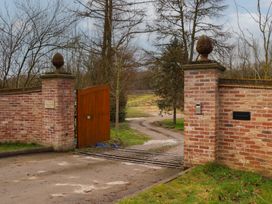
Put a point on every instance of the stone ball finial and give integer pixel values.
(204, 47)
(58, 60)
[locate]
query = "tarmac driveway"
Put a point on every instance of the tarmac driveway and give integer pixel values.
(73, 179)
(77, 179)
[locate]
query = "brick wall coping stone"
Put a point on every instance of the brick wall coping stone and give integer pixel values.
(246, 83)
(203, 66)
(20, 90)
(54, 75)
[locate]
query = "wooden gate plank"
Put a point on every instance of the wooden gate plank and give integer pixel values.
(93, 102)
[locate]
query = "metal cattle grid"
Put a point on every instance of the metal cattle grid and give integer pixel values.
(137, 156)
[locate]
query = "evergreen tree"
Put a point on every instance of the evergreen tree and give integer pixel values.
(169, 77)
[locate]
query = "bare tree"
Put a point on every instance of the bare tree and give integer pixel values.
(187, 19)
(259, 45)
(28, 38)
(117, 21)
(124, 67)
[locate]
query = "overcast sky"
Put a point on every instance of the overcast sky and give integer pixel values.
(229, 19)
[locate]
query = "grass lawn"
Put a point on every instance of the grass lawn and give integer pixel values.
(136, 112)
(168, 123)
(145, 99)
(9, 147)
(211, 183)
(128, 136)
(140, 105)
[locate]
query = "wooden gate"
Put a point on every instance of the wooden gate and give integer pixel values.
(93, 115)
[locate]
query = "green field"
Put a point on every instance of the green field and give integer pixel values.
(211, 183)
(145, 99)
(141, 105)
(10, 147)
(136, 112)
(127, 136)
(168, 123)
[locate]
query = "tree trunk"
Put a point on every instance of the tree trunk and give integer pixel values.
(107, 41)
(117, 110)
(117, 96)
(193, 33)
(174, 114)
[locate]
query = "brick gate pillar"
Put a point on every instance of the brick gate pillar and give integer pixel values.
(201, 111)
(58, 107)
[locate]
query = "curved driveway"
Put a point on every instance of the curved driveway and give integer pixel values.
(160, 137)
(58, 178)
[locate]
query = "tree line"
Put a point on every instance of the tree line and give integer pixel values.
(97, 38)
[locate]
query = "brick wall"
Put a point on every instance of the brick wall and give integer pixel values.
(40, 115)
(245, 144)
(58, 122)
(214, 135)
(21, 115)
(201, 87)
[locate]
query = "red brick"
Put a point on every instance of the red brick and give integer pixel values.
(24, 118)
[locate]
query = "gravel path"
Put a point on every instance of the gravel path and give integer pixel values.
(160, 137)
